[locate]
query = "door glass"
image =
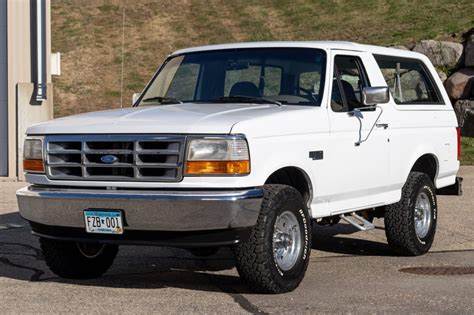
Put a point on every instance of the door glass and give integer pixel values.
(337, 102)
(348, 82)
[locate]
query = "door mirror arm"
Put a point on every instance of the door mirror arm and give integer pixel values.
(357, 113)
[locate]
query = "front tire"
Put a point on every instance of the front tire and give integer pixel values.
(410, 224)
(275, 257)
(77, 260)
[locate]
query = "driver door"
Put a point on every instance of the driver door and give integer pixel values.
(360, 169)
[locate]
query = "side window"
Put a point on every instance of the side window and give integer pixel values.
(184, 83)
(408, 80)
(349, 79)
(267, 81)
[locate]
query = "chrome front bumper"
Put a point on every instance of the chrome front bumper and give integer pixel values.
(163, 210)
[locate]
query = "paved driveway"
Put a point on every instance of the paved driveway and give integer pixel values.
(350, 271)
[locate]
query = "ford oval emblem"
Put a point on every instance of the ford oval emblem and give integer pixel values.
(109, 159)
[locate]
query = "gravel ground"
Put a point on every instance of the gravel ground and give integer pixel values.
(350, 271)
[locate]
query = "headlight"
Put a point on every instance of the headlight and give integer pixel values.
(217, 156)
(33, 155)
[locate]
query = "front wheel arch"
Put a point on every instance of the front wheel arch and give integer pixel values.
(295, 177)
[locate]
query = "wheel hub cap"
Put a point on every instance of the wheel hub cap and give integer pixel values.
(286, 240)
(422, 215)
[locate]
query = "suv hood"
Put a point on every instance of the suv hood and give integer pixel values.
(180, 118)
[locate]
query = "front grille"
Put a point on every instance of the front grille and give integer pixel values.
(115, 157)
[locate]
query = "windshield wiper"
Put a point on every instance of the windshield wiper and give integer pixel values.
(246, 99)
(162, 100)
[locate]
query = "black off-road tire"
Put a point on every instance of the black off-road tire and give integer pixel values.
(254, 258)
(399, 217)
(67, 261)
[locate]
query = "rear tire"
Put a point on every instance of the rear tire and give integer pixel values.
(410, 224)
(275, 257)
(77, 260)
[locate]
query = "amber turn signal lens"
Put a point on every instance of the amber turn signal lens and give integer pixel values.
(33, 166)
(218, 167)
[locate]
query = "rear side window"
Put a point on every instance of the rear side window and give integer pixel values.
(408, 80)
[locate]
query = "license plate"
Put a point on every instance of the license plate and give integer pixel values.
(105, 222)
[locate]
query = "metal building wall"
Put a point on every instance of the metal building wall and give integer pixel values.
(3, 90)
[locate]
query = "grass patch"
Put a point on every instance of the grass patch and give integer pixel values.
(467, 151)
(135, 86)
(107, 8)
(112, 93)
(448, 70)
(89, 34)
(117, 60)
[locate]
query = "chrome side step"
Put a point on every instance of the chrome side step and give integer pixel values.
(357, 221)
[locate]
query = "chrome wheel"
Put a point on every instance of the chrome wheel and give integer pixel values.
(422, 215)
(90, 250)
(287, 240)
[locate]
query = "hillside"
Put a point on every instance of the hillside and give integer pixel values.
(88, 33)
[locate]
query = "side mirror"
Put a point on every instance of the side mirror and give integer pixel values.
(135, 97)
(375, 95)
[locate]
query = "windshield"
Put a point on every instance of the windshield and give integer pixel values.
(288, 76)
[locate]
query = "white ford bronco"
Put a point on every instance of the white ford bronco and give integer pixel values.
(249, 146)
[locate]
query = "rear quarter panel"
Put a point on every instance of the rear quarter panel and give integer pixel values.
(422, 129)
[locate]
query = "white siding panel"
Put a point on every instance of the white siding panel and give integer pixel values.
(3, 90)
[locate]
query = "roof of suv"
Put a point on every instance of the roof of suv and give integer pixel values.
(326, 45)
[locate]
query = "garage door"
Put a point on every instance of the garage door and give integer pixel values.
(3, 90)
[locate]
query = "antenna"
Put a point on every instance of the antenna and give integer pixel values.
(123, 53)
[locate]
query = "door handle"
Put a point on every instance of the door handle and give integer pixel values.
(381, 125)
